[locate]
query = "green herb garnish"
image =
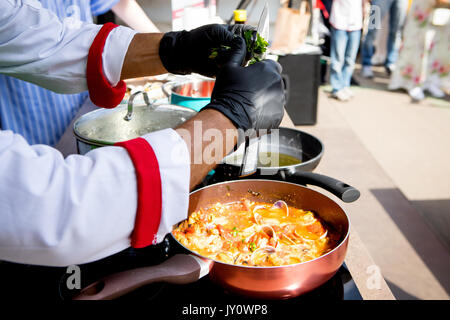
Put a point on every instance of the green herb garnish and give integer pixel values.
(259, 48)
(255, 53)
(215, 51)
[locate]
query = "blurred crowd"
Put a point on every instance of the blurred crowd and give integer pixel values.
(417, 44)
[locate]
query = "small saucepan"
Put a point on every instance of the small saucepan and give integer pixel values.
(280, 282)
(281, 153)
(190, 93)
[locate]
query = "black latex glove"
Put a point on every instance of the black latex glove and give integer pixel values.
(239, 29)
(251, 97)
(184, 52)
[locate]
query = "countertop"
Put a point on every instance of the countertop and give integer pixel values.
(365, 272)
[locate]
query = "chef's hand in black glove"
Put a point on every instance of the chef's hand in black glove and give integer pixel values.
(251, 97)
(184, 52)
(240, 29)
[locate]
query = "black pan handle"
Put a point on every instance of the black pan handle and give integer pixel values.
(340, 189)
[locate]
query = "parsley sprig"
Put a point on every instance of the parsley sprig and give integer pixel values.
(253, 54)
(259, 48)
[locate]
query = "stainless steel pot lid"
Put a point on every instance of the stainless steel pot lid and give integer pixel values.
(108, 126)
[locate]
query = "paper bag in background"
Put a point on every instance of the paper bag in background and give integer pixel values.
(291, 27)
(442, 4)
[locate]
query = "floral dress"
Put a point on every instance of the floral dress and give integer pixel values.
(424, 57)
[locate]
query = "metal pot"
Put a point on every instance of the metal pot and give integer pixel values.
(279, 282)
(191, 93)
(104, 127)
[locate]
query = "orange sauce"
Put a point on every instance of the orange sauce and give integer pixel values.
(256, 234)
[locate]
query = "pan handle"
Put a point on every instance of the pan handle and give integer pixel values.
(340, 189)
(179, 269)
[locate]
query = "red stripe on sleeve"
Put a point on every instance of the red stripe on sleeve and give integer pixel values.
(101, 92)
(149, 206)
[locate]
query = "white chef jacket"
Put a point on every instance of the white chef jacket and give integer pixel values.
(56, 211)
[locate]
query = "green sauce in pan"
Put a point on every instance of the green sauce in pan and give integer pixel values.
(268, 159)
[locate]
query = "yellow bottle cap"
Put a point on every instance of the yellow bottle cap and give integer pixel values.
(240, 15)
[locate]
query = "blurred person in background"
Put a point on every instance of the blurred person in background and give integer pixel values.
(424, 59)
(28, 109)
(346, 20)
(397, 10)
(325, 9)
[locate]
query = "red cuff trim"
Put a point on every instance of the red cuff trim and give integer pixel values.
(101, 92)
(149, 206)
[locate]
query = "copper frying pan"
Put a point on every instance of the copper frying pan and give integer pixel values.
(280, 282)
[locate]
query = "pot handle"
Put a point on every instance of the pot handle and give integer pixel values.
(179, 269)
(340, 189)
(131, 101)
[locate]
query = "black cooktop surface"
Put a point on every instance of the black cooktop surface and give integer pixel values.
(20, 281)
